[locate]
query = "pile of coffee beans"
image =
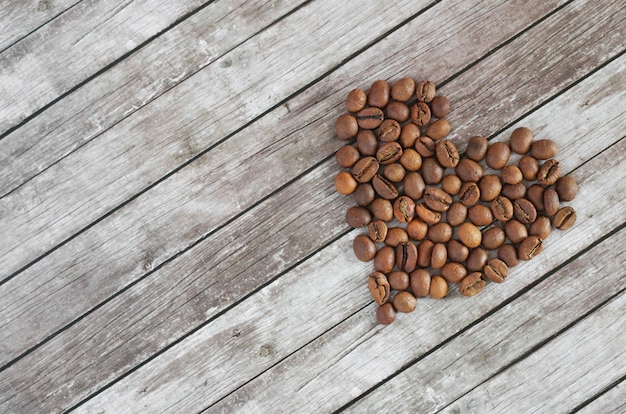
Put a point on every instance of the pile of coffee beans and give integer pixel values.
(435, 216)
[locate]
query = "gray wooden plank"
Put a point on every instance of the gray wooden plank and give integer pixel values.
(20, 17)
(611, 402)
(93, 34)
(131, 84)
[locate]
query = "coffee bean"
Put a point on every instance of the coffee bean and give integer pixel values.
(440, 106)
(379, 287)
(520, 140)
(453, 272)
(490, 187)
(394, 172)
(469, 235)
(379, 94)
(411, 160)
(385, 314)
(425, 91)
(457, 251)
(420, 282)
(396, 236)
(417, 229)
(451, 184)
(529, 167)
(406, 256)
(420, 114)
(513, 191)
(480, 215)
(549, 172)
(397, 111)
(389, 130)
(345, 183)
(469, 194)
(524, 211)
(508, 254)
(347, 156)
(438, 287)
(424, 253)
(364, 194)
(370, 118)
(551, 202)
(543, 149)
(377, 231)
(365, 169)
(512, 174)
(398, 280)
(356, 100)
(426, 214)
(493, 238)
(502, 208)
(346, 127)
(382, 209)
(357, 217)
(515, 231)
(498, 155)
(535, 195)
(389, 153)
(431, 171)
(364, 248)
(440, 232)
(567, 188)
(530, 247)
(425, 146)
(477, 260)
(565, 218)
(457, 213)
(409, 135)
(542, 227)
(404, 302)
(472, 284)
(438, 129)
(385, 260)
(404, 209)
(384, 187)
(496, 270)
(469, 171)
(366, 142)
(439, 255)
(403, 89)
(414, 185)
(447, 154)
(477, 148)
(437, 199)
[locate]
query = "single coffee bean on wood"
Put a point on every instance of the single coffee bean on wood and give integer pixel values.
(346, 127)
(417, 229)
(551, 202)
(438, 129)
(524, 211)
(453, 272)
(425, 91)
(438, 287)
(498, 155)
(385, 314)
(370, 118)
(513, 191)
(389, 153)
(364, 248)
(384, 187)
(440, 106)
(425, 146)
(530, 247)
(411, 160)
(549, 172)
(379, 94)
(426, 214)
(567, 188)
(502, 208)
(347, 156)
(515, 231)
(440, 232)
(414, 185)
(457, 251)
(377, 231)
(477, 259)
(420, 282)
(535, 195)
(385, 259)
(420, 114)
(480, 215)
(404, 209)
(529, 167)
(366, 142)
(542, 227)
(469, 235)
(365, 169)
(490, 187)
(357, 98)
(424, 253)
(496, 270)
(543, 149)
(447, 154)
(469, 171)
(379, 287)
(432, 172)
(469, 194)
(493, 238)
(398, 111)
(389, 130)
(472, 284)
(511, 174)
(345, 183)
(451, 184)
(565, 218)
(403, 89)
(520, 140)
(477, 148)
(358, 217)
(439, 256)
(394, 172)
(409, 135)
(437, 199)
(404, 302)
(457, 213)
(406, 256)
(508, 254)
(396, 236)
(382, 209)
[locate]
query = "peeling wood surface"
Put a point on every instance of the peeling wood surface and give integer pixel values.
(180, 204)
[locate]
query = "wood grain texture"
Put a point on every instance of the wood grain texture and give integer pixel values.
(131, 84)
(611, 402)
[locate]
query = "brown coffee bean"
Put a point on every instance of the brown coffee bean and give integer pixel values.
(345, 183)
(498, 155)
(425, 91)
(398, 280)
(447, 154)
(490, 187)
(365, 169)
(437, 199)
(457, 213)
(389, 153)
(530, 247)
(420, 114)
(379, 287)
(426, 214)
(549, 172)
(409, 135)
(356, 100)
(385, 259)
(439, 256)
(431, 171)
(469, 194)
(438, 129)
(477, 259)
(451, 184)
(543, 149)
(417, 229)
(406, 256)
(469, 235)
(403, 89)
(542, 227)
(508, 254)
(414, 185)
(472, 284)
(364, 248)
(529, 167)
(420, 282)
(389, 130)
(535, 195)
(366, 142)
(480, 215)
(477, 148)
(379, 94)
(438, 287)
(565, 218)
(440, 106)
(493, 238)
(496, 270)
(513, 191)
(524, 211)
(453, 272)
(394, 172)
(377, 231)
(425, 146)
(384, 187)
(347, 156)
(424, 253)
(385, 314)
(404, 209)
(397, 111)
(358, 217)
(512, 174)
(520, 140)
(551, 202)
(370, 118)
(457, 251)
(382, 209)
(502, 208)
(411, 160)
(396, 236)
(566, 188)
(515, 231)
(404, 302)
(469, 171)
(440, 232)
(346, 127)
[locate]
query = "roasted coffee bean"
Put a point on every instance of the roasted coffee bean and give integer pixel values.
(406, 256)
(549, 172)
(513, 191)
(364, 248)
(420, 114)
(377, 231)
(389, 153)
(417, 229)
(424, 253)
(477, 148)
(426, 214)
(567, 188)
(451, 184)
(358, 217)
(438, 287)
(398, 280)
(403, 89)
(438, 129)
(512, 174)
(493, 238)
(396, 236)
(394, 172)
(379, 287)
(379, 94)
(502, 208)
(404, 302)
(469, 171)
(496, 270)
(370, 118)
(425, 91)
(420, 282)
(388, 131)
(398, 111)
(382, 209)
(347, 156)
(425, 146)
(457, 213)
(530, 247)
(409, 135)
(453, 272)
(477, 259)
(469, 235)
(520, 140)
(490, 187)
(542, 227)
(469, 194)
(480, 215)
(508, 254)
(524, 211)
(365, 169)
(414, 185)
(439, 255)
(529, 167)
(440, 106)
(345, 183)
(385, 314)
(404, 209)
(472, 284)
(366, 142)
(346, 127)
(411, 160)
(543, 149)
(457, 251)
(437, 199)
(384, 187)
(535, 195)
(385, 259)
(431, 171)
(565, 218)
(440, 232)
(356, 100)
(498, 155)
(515, 231)
(447, 154)
(551, 202)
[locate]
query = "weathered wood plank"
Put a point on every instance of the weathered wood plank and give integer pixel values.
(36, 70)
(612, 402)
(130, 85)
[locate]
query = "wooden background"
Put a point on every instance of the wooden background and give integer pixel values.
(171, 240)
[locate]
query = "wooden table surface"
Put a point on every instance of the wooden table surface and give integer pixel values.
(171, 239)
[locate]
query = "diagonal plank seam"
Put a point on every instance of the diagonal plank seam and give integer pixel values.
(599, 394)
